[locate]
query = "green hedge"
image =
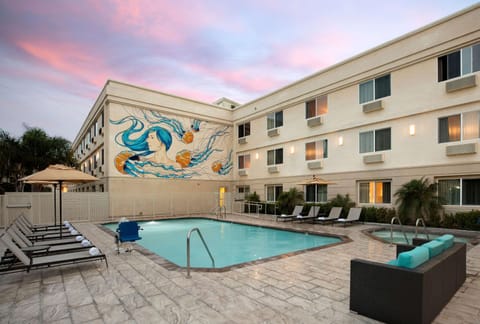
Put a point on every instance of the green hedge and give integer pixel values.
(460, 220)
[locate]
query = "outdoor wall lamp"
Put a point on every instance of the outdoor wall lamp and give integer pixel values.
(412, 130)
(340, 140)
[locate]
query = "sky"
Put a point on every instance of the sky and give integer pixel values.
(56, 55)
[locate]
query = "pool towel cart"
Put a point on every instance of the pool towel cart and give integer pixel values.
(127, 232)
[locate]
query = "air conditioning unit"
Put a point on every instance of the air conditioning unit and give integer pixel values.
(242, 140)
(242, 173)
(273, 169)
(273, 132)
(315, 121)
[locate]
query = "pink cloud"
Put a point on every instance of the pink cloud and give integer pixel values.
(67, 58)
(168, 21)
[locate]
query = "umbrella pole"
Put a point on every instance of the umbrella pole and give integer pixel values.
(55, 204)
(60, 198)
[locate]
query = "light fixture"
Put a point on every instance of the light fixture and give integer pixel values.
(292, 149)
(340, 140)
(256, 156)
(412, 130)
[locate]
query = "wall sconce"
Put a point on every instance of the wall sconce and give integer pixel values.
(412, 130)
(292, 149)
(340, 140)
(256, 156)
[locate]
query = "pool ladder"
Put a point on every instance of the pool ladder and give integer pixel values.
(417, 222)
(221, 212)
(188, 249)
(401, 228)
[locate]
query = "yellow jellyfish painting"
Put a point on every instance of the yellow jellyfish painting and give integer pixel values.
(183, 158)
(217, 166)
(120, 160)
(187, 137)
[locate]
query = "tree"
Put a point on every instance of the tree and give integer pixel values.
(287, 200)
(9, 157)
(34, 151)
(418, 199)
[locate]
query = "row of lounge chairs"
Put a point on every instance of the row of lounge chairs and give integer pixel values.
(313, 215)
(26, 246)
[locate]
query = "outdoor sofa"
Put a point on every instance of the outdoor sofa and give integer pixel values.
(394, 294)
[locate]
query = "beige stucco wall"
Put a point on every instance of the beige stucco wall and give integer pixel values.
(417, 98)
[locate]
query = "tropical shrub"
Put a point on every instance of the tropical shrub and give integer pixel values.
(417, 199)
(287, 200)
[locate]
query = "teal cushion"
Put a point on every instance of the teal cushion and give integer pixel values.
(393, 262)
(413, 258)
(447, 240)
(434, 247)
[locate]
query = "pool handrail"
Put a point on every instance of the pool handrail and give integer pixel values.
(188, 249)
(418, 221)
(401, 228)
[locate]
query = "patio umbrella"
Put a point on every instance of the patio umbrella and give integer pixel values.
(59, 173)
(316, 181)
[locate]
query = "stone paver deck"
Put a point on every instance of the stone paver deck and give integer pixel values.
(311, 287)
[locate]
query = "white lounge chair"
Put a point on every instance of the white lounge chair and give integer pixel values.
(29, 262)
(296, 211)
(353, 216)
(332, 216)
(312, 213)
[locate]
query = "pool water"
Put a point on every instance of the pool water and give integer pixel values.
(399, 238)
(229, 243)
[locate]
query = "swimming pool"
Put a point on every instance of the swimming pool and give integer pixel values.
(230, 243)
(399, 238)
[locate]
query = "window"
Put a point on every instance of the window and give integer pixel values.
(242, 192)
(244, 130)
(273, 191)
(459, 127)
(275, 120)
(275, 157)
(375, 89)
(460, 191)
(103, 157)
(375, 192)
(461, 62)
(316, 193)
(375, 140)
(244, 161)
(316, 150)
(316, 107)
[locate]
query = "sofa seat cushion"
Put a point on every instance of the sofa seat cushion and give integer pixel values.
(434, 247)
(447, 240)
(411, 259)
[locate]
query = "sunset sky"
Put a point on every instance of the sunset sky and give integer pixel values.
(56, 55)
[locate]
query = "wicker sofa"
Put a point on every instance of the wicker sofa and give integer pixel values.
(394, 294)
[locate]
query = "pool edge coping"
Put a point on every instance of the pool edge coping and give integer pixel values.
(166, 264)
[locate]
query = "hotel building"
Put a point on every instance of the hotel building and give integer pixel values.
(406, 109)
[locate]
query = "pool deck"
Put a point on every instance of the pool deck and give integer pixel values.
(311, 287)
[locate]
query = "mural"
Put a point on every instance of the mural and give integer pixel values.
(157, 145)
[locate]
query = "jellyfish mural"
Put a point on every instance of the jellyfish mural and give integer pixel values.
(175, 125)
(223, 167)
(188, 158)
(195, 126)
(148, 149)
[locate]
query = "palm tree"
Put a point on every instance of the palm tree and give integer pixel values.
(287, 200)
(418, 199)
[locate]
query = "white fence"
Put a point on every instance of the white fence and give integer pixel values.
(104, 206)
